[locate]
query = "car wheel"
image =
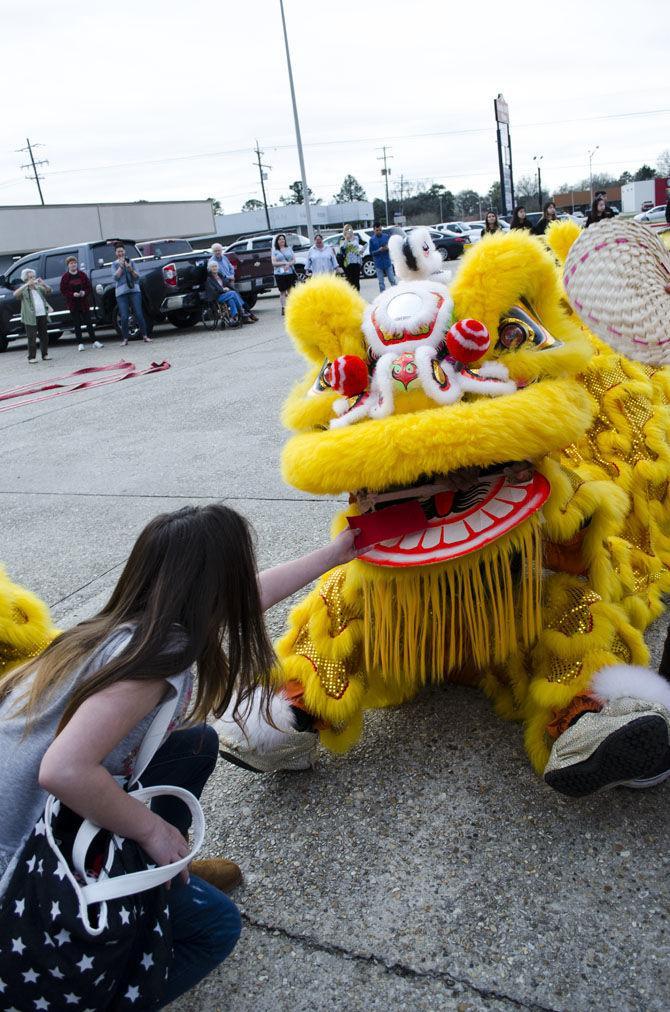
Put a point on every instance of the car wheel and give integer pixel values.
(369, 269)
(183, 318)
(133, 328)
(4, 343)
(444, 253)
(55, 336)
(251, 298)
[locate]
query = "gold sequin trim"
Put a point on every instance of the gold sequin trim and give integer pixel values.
(577, 618)
(599, 381)
(564, 671)
(638, 411)
(621, 649)
(332, 674)
(331, 594)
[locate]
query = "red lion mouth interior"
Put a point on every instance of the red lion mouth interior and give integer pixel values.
(459, 520)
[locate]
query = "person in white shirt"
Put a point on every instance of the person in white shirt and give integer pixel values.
(34, 313)
(321, 259)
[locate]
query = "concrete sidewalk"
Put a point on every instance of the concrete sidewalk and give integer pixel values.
(428, 870)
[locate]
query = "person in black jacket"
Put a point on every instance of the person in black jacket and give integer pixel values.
(599, 211)
(667, 209)
(519, 219)
(548, 215)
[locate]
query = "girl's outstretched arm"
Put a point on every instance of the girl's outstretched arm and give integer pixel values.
(281, 581)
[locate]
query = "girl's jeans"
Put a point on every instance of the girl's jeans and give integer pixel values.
(205, 923)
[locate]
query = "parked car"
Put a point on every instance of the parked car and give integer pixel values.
(457, 227)
(654, 216)
(263, 243)
(172, 288)
(450, 245)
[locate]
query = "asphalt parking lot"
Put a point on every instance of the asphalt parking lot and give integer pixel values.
(430, 869)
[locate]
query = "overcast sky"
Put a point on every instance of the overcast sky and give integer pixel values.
(164, 99)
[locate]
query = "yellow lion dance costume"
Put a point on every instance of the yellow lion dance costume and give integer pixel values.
(542, 474)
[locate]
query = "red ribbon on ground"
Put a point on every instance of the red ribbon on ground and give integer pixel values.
(60, 385)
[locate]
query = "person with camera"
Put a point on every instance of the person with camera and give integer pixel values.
(128, 295)
(75, 287)
(34, 313)
(351, 253)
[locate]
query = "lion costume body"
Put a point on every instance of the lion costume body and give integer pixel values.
(540, 607)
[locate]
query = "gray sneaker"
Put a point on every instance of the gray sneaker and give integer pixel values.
(627, 743)
(298, 753)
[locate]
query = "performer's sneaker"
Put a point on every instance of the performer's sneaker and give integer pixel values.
(627, 743)
(298, 752)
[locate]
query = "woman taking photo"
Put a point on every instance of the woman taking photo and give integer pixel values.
(351, 253)
(71, 721)
(491, 224)
(283, 266)
(34, 313)
(519, 219)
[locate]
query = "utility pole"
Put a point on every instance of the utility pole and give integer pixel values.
(591, 154)
(402, 190)
(386, 172)
(538, 159)
(34, 165)
(303, 175)
(261, 166)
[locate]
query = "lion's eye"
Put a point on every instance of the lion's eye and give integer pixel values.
(512, 334)
(521, 325)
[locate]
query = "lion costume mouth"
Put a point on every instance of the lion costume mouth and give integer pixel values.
(459, 520)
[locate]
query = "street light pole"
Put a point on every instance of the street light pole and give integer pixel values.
(303, 175)
(538, 159)
(591, 154)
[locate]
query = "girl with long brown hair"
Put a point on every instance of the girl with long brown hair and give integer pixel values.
(72, 720)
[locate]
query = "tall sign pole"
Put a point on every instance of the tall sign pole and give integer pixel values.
(303, 175)
(504, 154)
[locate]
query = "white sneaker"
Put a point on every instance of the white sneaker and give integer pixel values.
(96, 344)
(80, 348)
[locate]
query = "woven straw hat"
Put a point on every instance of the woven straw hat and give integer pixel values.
(615, 277)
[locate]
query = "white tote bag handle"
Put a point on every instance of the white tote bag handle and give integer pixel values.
(104, 888)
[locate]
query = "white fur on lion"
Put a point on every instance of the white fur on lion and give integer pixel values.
(253, 731)
(629, 680)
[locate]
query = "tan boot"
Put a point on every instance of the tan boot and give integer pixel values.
(219, 872)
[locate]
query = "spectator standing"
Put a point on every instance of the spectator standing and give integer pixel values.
(75, 287)
(379, 251)
(667, 209)
(351, 253)
(227, 272)
(34, 313)
(218, 291)
(491, 223)
(519, 219)
(548, 216)
(599, 211)
(321, 259)
(283, 267)
(128, 295)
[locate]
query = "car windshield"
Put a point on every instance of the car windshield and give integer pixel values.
(165, 247)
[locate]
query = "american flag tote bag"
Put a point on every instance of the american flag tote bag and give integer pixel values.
(84, 921)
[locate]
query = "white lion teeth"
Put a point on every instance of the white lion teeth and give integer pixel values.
(411, 540)
(498, 508)
(431, 537)
(479, 521)
(453, 533)
(509, 494)
(391, 543)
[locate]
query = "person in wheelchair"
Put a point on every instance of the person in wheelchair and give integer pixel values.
(218, 293)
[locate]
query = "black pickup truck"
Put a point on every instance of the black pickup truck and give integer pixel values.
(172, 287)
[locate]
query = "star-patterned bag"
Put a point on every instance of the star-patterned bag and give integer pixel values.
(84, 922)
